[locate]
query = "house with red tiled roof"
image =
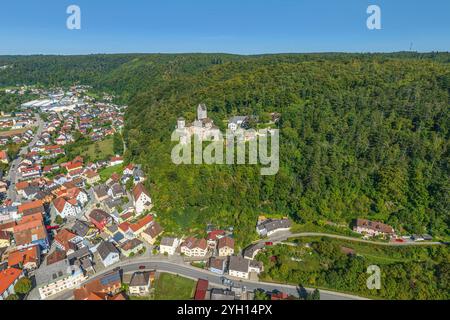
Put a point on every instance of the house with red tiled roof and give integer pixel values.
(31, 231)
(214, 236)
(8, 279)
(100, 218)
(193, 247)
(67, 241)
(142, 199)
(225, 247)
(115, 161)
(65, 207)
(91, 177)
(140, 226)
(28, 258)
(3, 157)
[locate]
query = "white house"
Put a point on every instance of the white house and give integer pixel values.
(66, 208)
(193, 247)
(58, 277)
(108, 253)
(169, 245)
(142, 200)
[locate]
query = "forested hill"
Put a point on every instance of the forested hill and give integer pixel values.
(361, 135)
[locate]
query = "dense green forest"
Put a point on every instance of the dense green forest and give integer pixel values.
(361, 135)
(407, 273)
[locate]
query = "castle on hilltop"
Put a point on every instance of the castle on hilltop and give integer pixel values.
(203, 127)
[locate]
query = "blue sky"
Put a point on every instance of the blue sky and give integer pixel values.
(245, 26)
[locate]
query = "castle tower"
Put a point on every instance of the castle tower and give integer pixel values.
(202, 113)
(181, 123)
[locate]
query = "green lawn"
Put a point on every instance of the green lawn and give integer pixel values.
(106, 173)
(100, 150)
(172, 287)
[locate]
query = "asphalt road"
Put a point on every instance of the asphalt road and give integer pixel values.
(13, 174)
(283, 236)
(214, 279)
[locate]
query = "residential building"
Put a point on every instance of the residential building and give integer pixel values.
(169, 245)
(31, 231)
(217, 265)
(238, 267)
(100, 219)
(140, 283)
(58, 277)
(225, 247)
(8, 279)
(131, 247)
(269, 227)
(109, 284)
(68, 241)
(152, 233)
(193, 247)
(66, 208)
(28, 258)
(373, 228)
(142, 199)
(108, 253)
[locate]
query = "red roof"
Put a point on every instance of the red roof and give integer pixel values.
(24, 256)
(200, 291)
(213, 234)
(141, 223)
(3, 155)
(8, 277)
(30, 205)
(138, 190)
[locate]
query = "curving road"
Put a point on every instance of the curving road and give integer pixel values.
(214, 279)
(280, 237)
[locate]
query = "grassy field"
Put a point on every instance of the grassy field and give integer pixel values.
(172, 287)
(106, 173)
(101, 150)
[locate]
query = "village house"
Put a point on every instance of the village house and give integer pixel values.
(152, 233)
(131, 247)
(140, 283)
(141, 197)
(213, 237)
(31, 231)
(3, 157)
(5, 239)
(238, 267)
(169, 245)
(100, 219)
(109, 284)
(108, 253)
(8, 279)
(68, 241)
(101, 193)
(28, 259)
(91, 177)
(193, 247)
(373, 228)
(225, 247)
(268, 227)
(217, 265)
(66, 208)
(58, 277)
